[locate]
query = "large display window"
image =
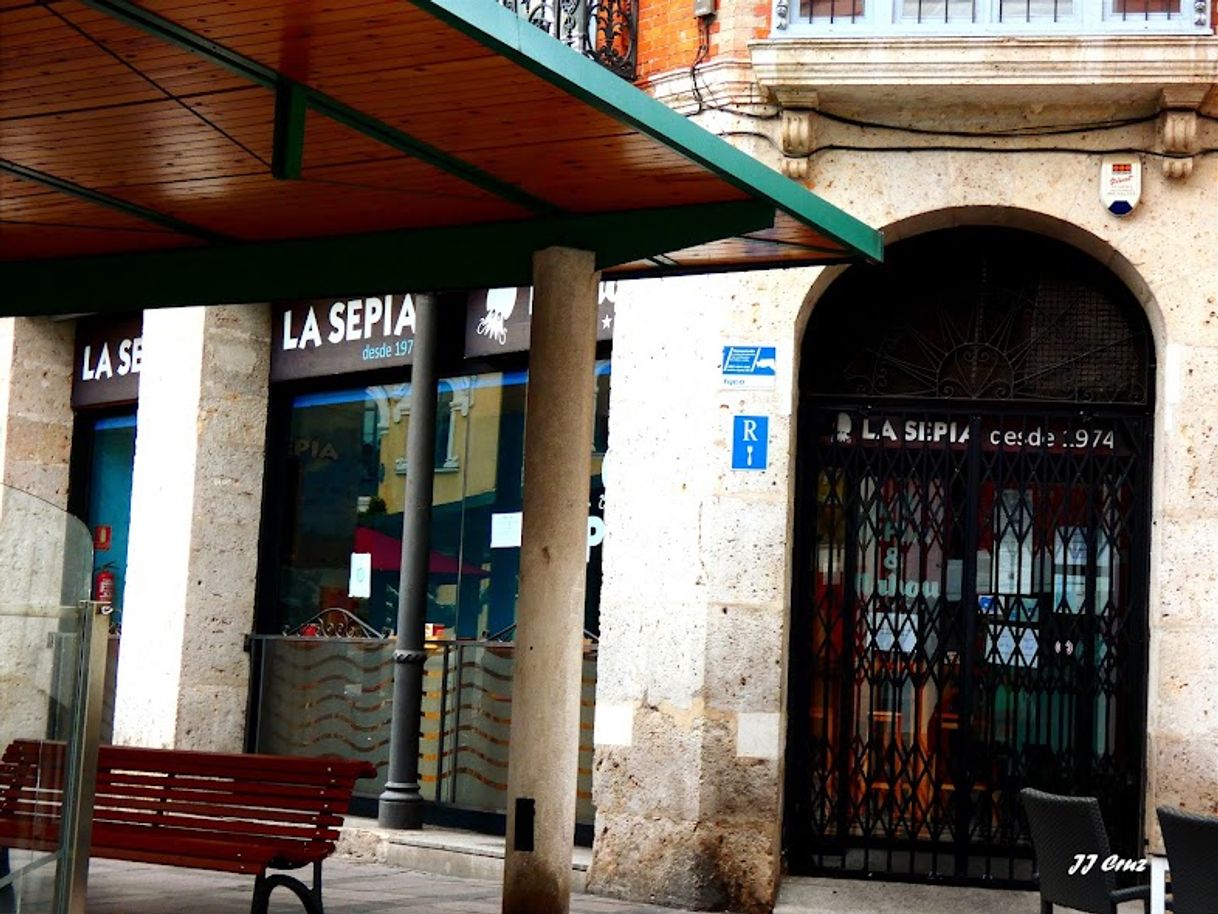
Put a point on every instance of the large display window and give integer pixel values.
(341, 468)
(341, 406)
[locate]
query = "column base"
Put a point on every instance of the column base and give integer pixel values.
(400, 806)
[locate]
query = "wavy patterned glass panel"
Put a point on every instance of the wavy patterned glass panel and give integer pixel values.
(483, 723)
(334, 695)
(325, 696)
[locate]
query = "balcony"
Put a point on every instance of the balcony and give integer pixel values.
(975, 18)
(1140, 56)
(604, 30)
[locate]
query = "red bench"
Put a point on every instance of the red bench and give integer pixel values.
(202, 810)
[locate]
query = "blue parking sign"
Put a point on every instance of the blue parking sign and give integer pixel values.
(750, 442)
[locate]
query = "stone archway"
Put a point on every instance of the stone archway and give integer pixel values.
(969, 604)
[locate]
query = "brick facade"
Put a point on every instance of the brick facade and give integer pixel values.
(670, 34)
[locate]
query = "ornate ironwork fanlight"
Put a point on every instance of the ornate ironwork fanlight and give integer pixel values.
(995, 315)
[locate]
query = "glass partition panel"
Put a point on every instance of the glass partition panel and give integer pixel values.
(322, 694)
(44, 626)
(327, 696)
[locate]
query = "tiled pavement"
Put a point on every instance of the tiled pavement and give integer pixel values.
(350, 888)
(361, 887)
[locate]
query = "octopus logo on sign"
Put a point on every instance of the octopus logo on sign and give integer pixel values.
(500, 303)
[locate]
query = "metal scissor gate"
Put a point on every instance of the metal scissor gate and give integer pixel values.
(970, 599)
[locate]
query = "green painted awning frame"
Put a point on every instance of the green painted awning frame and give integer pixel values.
(470, 256)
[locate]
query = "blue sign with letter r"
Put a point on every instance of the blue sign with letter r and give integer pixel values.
(750, 442)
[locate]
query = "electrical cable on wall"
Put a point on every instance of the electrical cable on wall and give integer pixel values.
(1002, 150)
(699, 59)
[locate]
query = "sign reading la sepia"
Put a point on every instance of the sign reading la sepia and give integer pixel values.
(329, 337)
(325, 337)
(321, 337)
(109, 354)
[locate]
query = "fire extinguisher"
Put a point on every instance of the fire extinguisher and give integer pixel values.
(103, 584)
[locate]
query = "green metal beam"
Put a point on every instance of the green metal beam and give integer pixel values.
(110, 202)
(136, 16)
(287, 147)
(467, 257)
(509, 35)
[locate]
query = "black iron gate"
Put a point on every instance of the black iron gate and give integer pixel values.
(970, 600)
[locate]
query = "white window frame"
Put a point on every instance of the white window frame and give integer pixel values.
(1089, 17)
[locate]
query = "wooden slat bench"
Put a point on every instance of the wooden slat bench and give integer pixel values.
(201, 810)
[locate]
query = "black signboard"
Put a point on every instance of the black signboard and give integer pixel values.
(106, 368)
(338, 336)
(328, 337)
(498, 320)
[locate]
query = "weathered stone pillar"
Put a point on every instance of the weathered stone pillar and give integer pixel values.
(544, 749)
(35, 445)
(196, 502)
(689, 704)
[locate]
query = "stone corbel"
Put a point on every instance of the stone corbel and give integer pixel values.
(1178, 127)
(798, 141)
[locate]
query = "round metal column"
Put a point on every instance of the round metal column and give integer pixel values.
(401, 803)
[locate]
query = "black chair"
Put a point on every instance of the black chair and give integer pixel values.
(1062, 828)
(1192, 857)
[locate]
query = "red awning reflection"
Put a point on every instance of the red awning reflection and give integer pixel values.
(387, 555)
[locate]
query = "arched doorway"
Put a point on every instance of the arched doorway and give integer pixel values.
(972, 540)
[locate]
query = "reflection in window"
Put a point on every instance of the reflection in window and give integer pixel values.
(343, 478)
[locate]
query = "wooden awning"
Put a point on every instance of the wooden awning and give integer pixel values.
(203, 151)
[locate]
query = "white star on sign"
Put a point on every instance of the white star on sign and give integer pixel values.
(606, 321)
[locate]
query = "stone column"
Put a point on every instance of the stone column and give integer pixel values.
(35, 445)
(196, 503)
(544, 748)
(689, 694)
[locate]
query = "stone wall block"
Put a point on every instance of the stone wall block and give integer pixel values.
(657, 860)
(1191, 373)
(1188, 682)
(651, 547)
(1187, 577)
(743, 791)
(744, 648)
(659, 775)
(744, 549)
(32, 476)
(209, 715)
(747, 864)
(26, 681)
(651, 652)
(44, 440)
(702, 865)
(35, 398)
(1190, 463)
(635, 462)
(1184, 773)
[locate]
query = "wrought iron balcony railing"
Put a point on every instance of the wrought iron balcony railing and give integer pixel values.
(605, 30)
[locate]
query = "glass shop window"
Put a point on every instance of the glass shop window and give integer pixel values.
(343, 472)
